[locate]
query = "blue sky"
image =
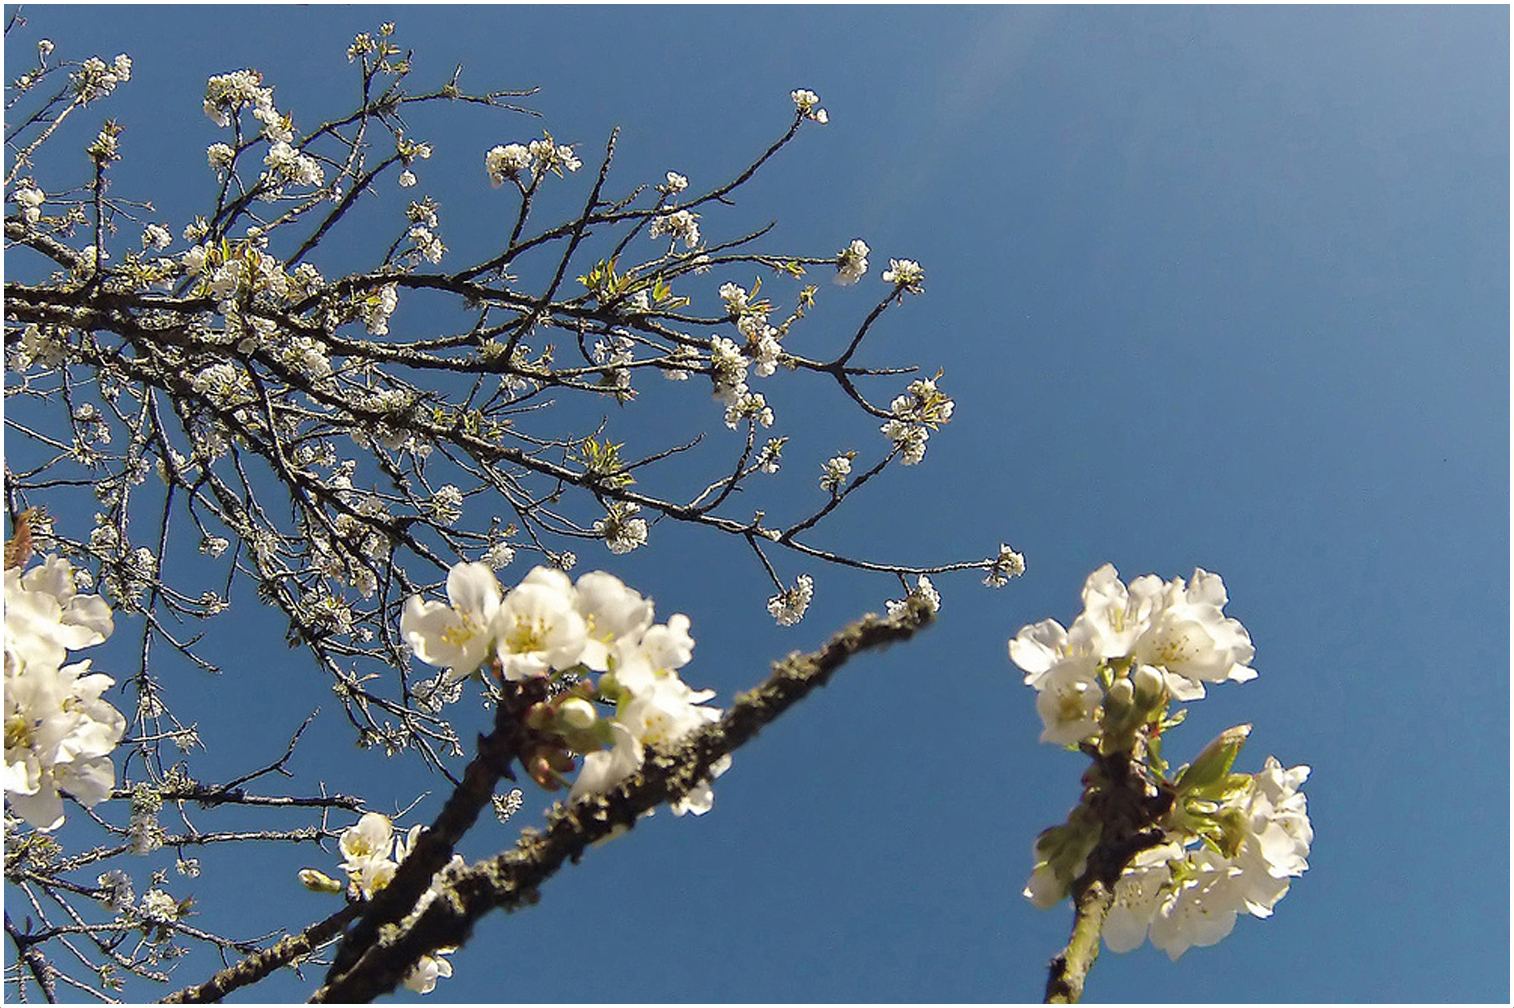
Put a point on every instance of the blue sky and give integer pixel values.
(1218, 287)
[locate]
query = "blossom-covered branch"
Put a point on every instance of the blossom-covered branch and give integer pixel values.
(1173, 855)
(512, 879)
(336, 422)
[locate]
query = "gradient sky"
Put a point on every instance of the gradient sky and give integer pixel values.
(1218, 287)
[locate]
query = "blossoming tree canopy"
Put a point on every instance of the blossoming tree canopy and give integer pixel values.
(336, 427)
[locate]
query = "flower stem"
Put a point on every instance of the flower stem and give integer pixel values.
(1069, 970)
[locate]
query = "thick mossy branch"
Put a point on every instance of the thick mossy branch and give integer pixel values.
(511, 879)
(434, 846)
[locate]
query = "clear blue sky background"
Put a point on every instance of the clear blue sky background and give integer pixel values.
(1213, 287)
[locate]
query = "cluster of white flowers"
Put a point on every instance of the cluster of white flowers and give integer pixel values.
(906, 274)
(681, 224)
(29, 198)
(88, 259)
(620, 530)
(423, 212)
(761, 339)
(499, 555)
(287, 166)
(506, 161)
(1008, 564)
(1182, 894)
(808, 104)
(834, 472)
(675, 183)
(924, 589)
(377, 305)
(115, 890)
(59, 731)
(219, 156)
(427, 245)
(223, 383)
(727, 369)
(157, 237)
(551, 626)
(729, 360)
(540, 156)
(227, 94)
(409, 153)
(851, 263)
(789, 605)
(922, 409)
(371, 854)
(1231, 841)
(96, 79)
(770, 455)
(235, 271)
(446, 504)
(1176, 629)
(750, 405)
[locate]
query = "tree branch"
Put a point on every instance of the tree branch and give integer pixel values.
(510, 879)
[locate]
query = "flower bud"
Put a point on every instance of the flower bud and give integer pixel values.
(1119, 698)
(538, 716)
(576, 714)
(318, 882)
(1213, 764)
(539, 766)
(1150, 687)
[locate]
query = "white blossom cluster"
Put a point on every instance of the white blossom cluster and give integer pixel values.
(1232, 841)
(770, 455)
(540, 156)
(550, 626)
(1008, 564)
(729, 361)
(59, 732)
(156, 237)
(762, 346)
(96, 79)
(620, 529)
(226, 95)
(789, 605)
(905, 274)
(426, 244)
(1184, 894)
(30, 199)
(287, 166)
(808, 104)
(1176, 629)
(681, 224)
(851, 263)
(234, 273)
(922, 409)
(834, 472)
(727, 369)
(371, 854)
(925, 590)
